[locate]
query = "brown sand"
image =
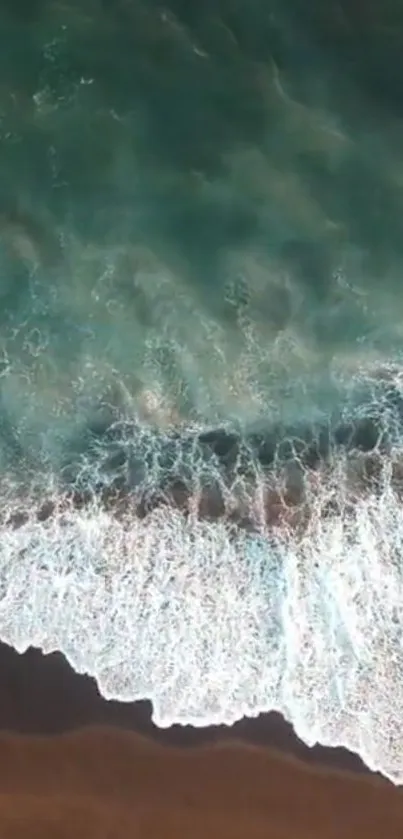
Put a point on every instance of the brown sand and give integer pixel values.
(105, 783)
(115, 776)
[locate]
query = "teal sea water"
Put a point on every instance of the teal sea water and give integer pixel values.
(200, 235)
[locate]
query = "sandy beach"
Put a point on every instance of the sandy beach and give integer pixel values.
(111, 784)
(74, 765)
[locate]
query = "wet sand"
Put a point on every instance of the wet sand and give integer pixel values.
(105, 783)
(82, 766)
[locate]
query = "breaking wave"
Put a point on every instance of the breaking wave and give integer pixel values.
(301, 611)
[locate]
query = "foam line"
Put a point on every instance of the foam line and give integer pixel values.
(213, 626)
(222, 575)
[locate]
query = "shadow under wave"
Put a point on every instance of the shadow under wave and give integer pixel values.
(124, 464)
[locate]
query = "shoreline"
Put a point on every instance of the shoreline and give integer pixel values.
(104, 783)
(42, 695)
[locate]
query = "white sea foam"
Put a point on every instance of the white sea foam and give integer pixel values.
(212, 627)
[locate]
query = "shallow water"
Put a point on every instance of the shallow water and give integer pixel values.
(200, 229)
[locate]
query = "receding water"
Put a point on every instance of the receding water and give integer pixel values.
(200, 229)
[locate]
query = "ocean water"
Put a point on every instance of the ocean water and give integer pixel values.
(201, 298)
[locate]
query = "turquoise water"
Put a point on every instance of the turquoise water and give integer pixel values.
(200, 227)
(200, 202)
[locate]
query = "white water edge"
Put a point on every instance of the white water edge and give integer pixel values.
(212, 628)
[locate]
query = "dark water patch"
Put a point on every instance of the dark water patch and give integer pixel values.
(126, 465)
